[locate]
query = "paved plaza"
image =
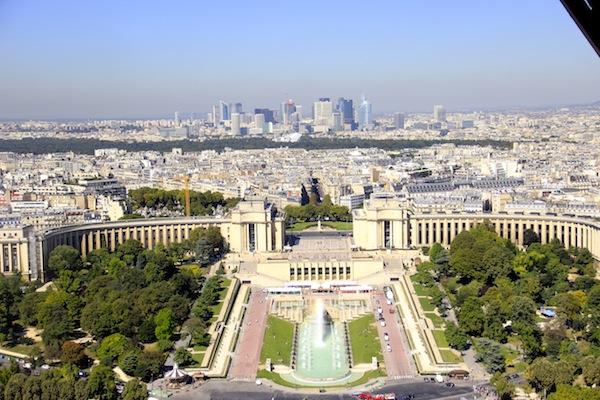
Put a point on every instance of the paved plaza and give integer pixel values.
(398, 362)
(247, 354)
(319, 241)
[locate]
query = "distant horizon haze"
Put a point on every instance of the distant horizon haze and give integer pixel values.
(69, 59)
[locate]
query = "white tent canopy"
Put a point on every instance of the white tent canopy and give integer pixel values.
(176, 373)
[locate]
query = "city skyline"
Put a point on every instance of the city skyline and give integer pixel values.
(126, 61)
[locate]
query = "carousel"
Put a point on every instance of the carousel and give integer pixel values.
(176, 378)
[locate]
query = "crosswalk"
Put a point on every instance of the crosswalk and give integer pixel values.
(400, 377)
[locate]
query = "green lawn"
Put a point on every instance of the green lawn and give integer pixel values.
(449, 357)
(21, 348)
(194, 269)
(364, 339)
(420, 290)
(216, 309)
(437, 321)
(276, 378)
(300, 226)
(440, 338)
(198, 357)
(277, 344)
(224, 285)
(338, 225)
(426, 304)
(198, 347)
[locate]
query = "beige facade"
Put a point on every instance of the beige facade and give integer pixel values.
(353, 269)
(255, 226)
(388, 223)
(18, 251)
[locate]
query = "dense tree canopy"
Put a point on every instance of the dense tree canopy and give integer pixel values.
(313, 212)
(123, 299)
(201, 203)
(497, 291)
(43, 145)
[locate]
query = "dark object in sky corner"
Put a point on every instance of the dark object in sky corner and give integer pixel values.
(586, 14)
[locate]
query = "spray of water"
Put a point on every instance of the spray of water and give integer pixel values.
(321, 323)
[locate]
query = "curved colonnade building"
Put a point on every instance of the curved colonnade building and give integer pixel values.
(252, 226)
(256, 226)
(387, 223)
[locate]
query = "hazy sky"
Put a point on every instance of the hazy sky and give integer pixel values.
(131, 58)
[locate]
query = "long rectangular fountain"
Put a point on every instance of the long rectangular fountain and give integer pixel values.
(321, 350)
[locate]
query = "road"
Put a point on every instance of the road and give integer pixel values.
(225, 390)
(398, 361)
(247, 354)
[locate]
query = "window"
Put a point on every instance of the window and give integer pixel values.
(251, 237)
(387, 234)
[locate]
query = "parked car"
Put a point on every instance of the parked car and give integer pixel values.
(386, 337)
(382, 322)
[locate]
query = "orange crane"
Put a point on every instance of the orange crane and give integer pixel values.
(186, 192)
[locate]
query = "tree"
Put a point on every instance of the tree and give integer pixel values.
(470, 290)
(15, 386)
(529, 237)
(467, 251)
(525, 262)
(129, 361)
(497, 262)
(435, 252)
(197, 328)
(568, 392)
(81, 389)
(113, 346)
(203, 252)
(116, 267)
(159, 267)
(471, 317)
(101, 383)
(545, 374)
(146, 331)
(457, 339)
(522, 310)
(58, 316)
(568, 305)
(149, 365)
(564, 372)
(73, 353)
(10, 295)
(490, 354)
(165, 324)
(495, 317)
(110, 312)
(28, 307)
(183, 357)
(129, 250)
(64, 258)
(590, 368)
(32, 389)
(135, 390)
(503, 387)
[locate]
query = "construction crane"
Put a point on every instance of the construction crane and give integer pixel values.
(186, 192)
